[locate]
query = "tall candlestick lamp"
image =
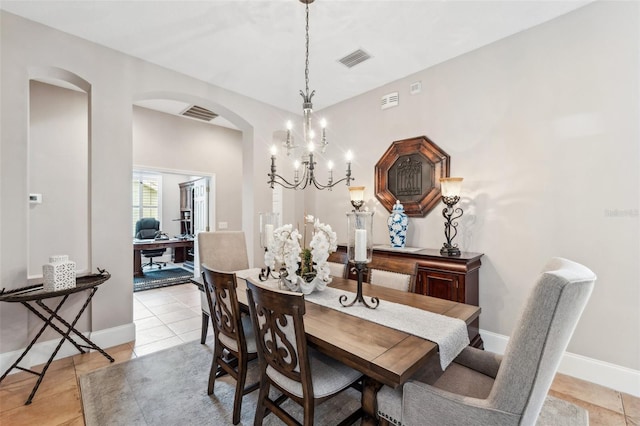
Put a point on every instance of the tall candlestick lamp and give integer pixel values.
(450, 188)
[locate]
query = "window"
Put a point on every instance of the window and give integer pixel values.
(145, 190)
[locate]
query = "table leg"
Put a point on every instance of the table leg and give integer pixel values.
(47, 322)
(370, 390)
(71, 327)
(137, 264)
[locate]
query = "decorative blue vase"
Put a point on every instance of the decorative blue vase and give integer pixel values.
(397, 223)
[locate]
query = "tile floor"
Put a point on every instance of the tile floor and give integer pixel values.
(170, 316)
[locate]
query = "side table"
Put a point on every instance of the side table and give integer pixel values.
(35, 294)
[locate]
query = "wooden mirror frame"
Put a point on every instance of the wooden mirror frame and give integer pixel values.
(425, 194)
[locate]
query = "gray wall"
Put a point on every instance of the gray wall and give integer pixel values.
(543, 126)
(113, 82)
(168, 142)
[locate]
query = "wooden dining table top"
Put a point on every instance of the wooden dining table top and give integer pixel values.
(384, 354)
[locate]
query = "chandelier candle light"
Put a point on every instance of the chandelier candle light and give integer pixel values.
(307, 178)
(450, 188)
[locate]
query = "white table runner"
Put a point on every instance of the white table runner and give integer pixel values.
(449, 333)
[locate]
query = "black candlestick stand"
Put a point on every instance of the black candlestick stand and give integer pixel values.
(360, 268)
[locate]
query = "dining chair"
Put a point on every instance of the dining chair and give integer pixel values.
(231, 332)
(299, 372)
(223, 251)
(393, 272)
(481, 387)
(337, 263)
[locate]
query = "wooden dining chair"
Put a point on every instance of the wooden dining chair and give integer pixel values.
(338, 262)
(393, 272)
(299, 372)
(231, 332)
(223, 251)
(481, 387)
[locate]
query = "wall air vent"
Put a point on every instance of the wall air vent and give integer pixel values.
(199, 113)
(389, 100)
(354, 58)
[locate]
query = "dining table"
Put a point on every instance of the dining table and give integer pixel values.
(384, 355)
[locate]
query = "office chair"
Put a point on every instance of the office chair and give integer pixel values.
(146, 229)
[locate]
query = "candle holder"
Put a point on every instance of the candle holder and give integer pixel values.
(359, 251)
(360, 267)
(269, 221)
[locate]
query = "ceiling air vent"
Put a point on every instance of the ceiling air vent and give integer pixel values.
(389, 100)
(354, 58)
(199, 113)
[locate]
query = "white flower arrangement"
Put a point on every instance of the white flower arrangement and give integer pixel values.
(311, 271)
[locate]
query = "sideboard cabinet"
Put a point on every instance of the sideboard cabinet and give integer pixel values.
(446, 277)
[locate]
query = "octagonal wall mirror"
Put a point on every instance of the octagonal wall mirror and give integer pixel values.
(410, 171)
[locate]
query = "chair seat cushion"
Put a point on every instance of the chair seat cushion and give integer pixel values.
(327, 375)
(249, 336)
(464, 381)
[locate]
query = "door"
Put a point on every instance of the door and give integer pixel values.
(201, 205)
(200, 216)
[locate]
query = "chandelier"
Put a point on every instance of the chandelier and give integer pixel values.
(306, 177)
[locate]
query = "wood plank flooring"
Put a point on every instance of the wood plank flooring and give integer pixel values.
(170, 316)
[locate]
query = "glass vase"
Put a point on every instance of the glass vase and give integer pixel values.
(360, 236)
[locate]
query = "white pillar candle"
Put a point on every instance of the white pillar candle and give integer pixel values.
(268, 234)
(361, 245)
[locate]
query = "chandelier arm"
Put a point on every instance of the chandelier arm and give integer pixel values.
(331, 185)
(277, 179)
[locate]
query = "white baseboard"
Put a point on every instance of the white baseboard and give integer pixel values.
(603, 373)
(41, 351)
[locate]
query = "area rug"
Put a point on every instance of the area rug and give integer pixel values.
(161, 278)
(170, 388)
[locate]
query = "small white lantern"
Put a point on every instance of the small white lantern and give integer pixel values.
(59, 273)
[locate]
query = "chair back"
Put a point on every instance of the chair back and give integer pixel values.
(280, 337)
(337, 263)
(540, 338)
(223, 250)
(146, 228)
(393, 272)
(220, 288)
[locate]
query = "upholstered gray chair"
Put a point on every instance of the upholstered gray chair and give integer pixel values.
(299, 372)
(232, 332)
(482, 388)
(224, 251)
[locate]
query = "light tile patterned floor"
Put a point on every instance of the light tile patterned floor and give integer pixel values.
(171, 316)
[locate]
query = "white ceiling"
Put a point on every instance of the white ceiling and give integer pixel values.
(256, 47)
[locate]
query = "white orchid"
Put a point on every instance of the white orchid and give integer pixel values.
(285, 250)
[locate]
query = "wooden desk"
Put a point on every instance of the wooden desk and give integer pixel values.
(384, 355)
(174, 243)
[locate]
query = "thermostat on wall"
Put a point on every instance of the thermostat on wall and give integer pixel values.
(35, 198)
